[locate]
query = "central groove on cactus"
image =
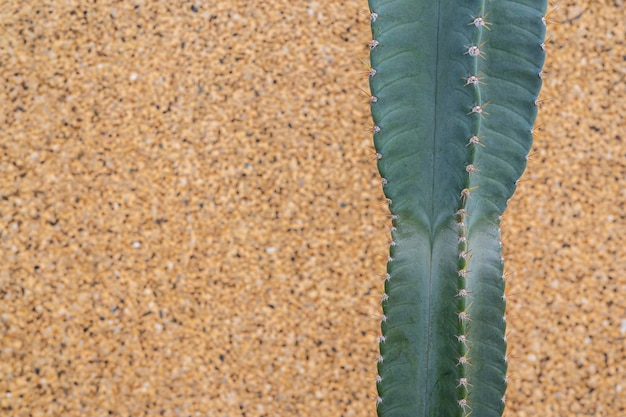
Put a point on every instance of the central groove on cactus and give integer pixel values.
(432, 206)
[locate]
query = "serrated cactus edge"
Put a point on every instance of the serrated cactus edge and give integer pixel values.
(454, 92)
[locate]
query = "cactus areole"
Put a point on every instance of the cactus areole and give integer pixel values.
(454, 87)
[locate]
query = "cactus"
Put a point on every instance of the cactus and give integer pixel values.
(454, 87)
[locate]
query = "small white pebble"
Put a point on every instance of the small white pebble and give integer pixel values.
(133, 76)
(136, 245)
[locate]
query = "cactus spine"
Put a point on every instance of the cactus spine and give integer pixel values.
(454, 87)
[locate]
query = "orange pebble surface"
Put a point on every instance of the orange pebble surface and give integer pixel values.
(192, 223)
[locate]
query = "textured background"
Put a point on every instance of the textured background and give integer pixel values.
(192, 224)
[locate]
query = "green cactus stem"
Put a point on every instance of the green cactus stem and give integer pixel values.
(454, 87)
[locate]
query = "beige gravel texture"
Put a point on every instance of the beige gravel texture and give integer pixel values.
(192, 224)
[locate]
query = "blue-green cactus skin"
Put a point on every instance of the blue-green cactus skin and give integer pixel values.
(454, 87)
